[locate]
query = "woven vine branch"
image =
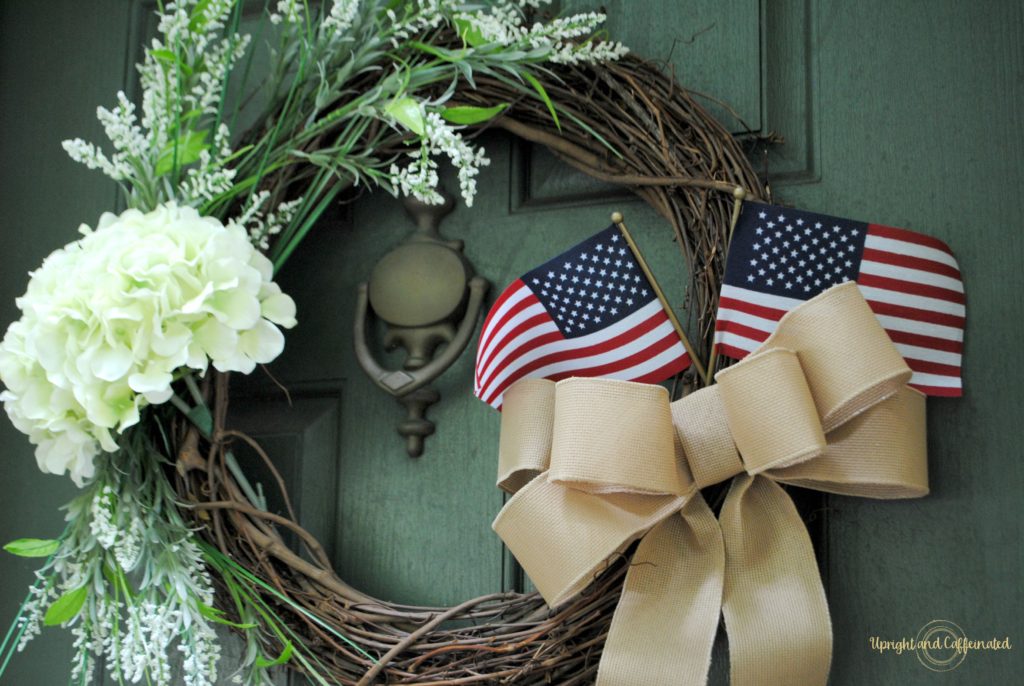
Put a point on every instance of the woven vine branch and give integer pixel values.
(685, 165)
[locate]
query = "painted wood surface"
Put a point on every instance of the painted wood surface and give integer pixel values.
(900, 113)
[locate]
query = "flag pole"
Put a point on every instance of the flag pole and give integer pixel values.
(739, 195)
(617, 219)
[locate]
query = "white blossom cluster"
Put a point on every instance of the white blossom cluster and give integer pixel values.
(182, 77)
(341, 16)
(260, 223)
(557, 40)
(289, 11)
(419, 178)
(110, 320)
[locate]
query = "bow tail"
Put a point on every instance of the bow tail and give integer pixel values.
(776, 613)
(667, 617)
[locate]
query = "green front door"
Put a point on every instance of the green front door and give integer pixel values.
(902, 113)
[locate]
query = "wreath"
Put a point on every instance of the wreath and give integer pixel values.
(168, 539)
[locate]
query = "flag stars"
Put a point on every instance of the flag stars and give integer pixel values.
(614, 311)
(759, 231)
(799, 222)
(762, 215)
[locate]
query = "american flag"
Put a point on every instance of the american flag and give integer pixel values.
(588, 312)
(780, 257)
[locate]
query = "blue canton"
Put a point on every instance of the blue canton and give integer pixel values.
(592, 285)
(792, 253)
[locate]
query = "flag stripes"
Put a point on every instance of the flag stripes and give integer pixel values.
(913, 285)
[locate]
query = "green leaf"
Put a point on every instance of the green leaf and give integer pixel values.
(215, 615)
(440, 53)
(187, 148)
(408, 112)
(537, 86)
(197, 18)
(472, 115)
(32, 547)
(66, 607)
(201, 417)
(169, 58)
(469, 33)
(285, 655)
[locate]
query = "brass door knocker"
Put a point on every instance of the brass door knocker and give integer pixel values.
(420, 290)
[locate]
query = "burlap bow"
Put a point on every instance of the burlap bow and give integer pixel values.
(596, 464)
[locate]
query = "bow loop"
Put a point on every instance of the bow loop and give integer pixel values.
(849, 361)
(770, 410)
(598, 421)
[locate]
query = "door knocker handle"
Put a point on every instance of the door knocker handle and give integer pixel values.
(426, 293)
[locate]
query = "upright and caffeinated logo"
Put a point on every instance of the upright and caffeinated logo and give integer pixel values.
(940, 645)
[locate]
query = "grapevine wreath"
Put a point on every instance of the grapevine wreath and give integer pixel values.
(167, 539)
(684, 164)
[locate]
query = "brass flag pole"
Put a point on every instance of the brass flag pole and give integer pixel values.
(617, 219)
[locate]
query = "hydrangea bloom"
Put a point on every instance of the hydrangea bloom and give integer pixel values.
(108, 320)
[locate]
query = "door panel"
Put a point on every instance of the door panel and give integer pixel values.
(919, 116)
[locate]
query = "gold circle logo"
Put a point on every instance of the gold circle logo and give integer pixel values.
(941, 645)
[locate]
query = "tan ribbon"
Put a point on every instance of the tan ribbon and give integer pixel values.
(595, 464)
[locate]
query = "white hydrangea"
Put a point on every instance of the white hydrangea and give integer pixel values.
(109, 320)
